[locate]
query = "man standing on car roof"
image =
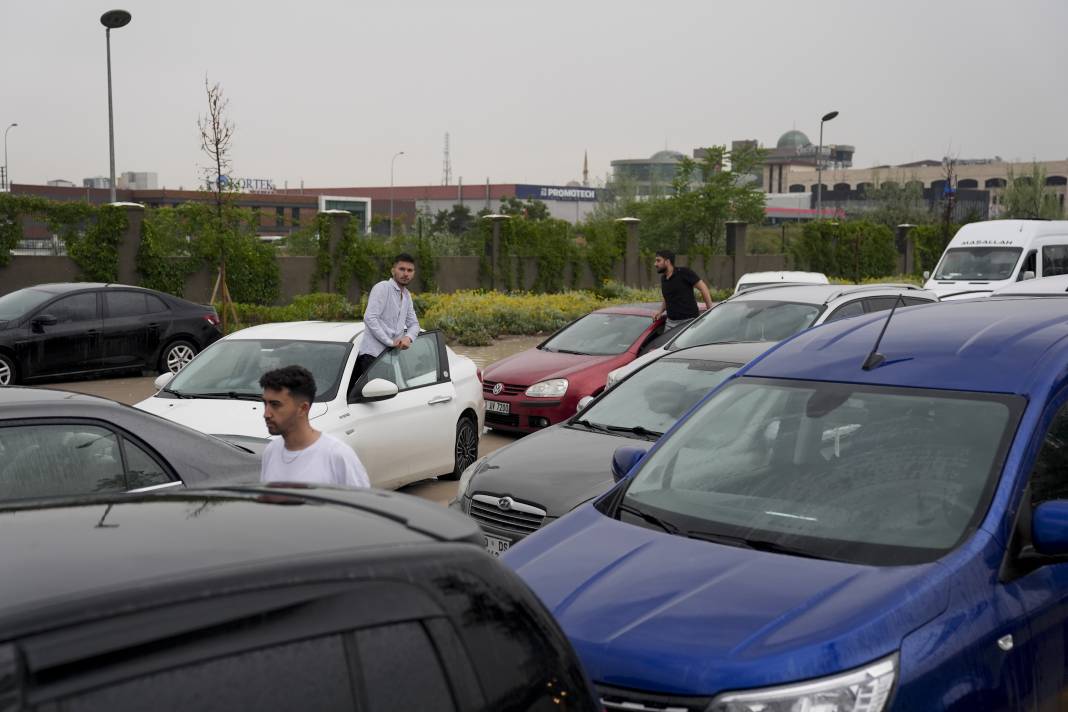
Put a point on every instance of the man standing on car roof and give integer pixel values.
(302, 454)
(677, 285)
(389, 320)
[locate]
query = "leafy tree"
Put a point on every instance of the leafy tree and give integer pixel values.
(1030, 197)
(529, 209)
(459, 220)
(891, 204)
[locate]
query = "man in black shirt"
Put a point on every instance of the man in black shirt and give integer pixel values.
(677, 285)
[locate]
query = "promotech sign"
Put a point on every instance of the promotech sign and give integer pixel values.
(551, 192)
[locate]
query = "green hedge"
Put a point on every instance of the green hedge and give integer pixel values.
(930, 242)
(854, 250)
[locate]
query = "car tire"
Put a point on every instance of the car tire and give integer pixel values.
(176, 355)
(8, 374)
(465, 451)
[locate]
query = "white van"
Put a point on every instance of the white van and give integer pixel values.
(984, 256)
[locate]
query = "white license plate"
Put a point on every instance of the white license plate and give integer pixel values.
(498, 407)
(496, 545)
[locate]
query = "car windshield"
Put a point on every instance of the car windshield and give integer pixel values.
(979, 263)
(651, 400)
(879, 476)
(599, 334)
(19, 302)
(748, 320)
(234, 367)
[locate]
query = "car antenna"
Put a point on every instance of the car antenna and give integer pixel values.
(875, 358)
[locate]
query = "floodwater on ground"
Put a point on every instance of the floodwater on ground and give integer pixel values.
(504, 346)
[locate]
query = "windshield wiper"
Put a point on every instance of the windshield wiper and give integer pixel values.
(227, 395)
(757, 545)
(650, 518)
(636, 429)
(592, 426)
(176, 394)
(569, 351)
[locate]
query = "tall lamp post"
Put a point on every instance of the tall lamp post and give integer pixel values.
(391, 162)
(112, 20)
(819, 166)
(7, 171)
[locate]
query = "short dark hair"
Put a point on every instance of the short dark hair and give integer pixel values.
(404, 257)
(296, 379)
(667, 255)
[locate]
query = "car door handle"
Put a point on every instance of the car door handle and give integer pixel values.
(439, 399)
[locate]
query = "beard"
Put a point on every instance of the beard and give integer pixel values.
(661, 270)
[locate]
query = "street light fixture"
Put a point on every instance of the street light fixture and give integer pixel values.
(7, 171)
(392, 160)
(819, 166)
(112, 20)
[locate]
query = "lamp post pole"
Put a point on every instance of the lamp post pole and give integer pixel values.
(391, 162)
(112, 19)
(7, 171)
(819, 166)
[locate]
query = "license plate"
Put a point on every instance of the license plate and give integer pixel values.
(498, 407)
(496, 545)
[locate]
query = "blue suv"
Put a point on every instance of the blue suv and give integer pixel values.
(857, 520)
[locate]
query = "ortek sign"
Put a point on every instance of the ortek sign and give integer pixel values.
(249, 185)
(549, 192)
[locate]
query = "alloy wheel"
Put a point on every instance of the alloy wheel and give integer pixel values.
(466, 445)
(178, 356)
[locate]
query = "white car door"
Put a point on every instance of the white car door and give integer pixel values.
(410, 436)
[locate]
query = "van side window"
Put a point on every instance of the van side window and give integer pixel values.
(1028, 266)
(1054, 260)
(1049, 478)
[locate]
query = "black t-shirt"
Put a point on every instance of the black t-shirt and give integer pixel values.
(678, 293)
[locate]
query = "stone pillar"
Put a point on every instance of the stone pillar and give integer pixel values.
(131, 242)
(339, 219)
(631, 255)
(905, 246)
(494, 248)
(736, 248)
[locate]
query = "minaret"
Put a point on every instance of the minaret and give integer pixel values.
(585, 169)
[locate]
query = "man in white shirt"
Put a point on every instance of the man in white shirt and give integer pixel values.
(389, 320)
(302, 454)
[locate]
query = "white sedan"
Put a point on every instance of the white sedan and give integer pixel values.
(414, 414)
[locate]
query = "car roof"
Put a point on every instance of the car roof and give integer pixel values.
(1043, 285)
(637, 309)
(824, 293)
(783, 276)
(61, 287)
(1004, 345)
(333, 331)
(22, 395)
(740, 352)
(136, 542)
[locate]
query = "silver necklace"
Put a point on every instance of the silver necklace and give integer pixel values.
(290, 462)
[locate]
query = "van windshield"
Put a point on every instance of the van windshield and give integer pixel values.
(873, 475)
(989, 264)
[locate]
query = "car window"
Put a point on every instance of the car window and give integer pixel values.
(748, 320)
(76, 307)
(142, 470)
(845, 311)
(45, 460)
(155, 304)
(124, 304)
(417, 365)
(20, 302)
(878, 304)
(1049, 477)
(401, 670)
(599, 334)
(1054, 260)
(1028, 266)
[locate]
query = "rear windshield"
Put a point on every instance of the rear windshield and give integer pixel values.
(979, 263)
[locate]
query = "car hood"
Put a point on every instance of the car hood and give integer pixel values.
(217, 417)
(556, 469)
(651, 611)
(533, 365)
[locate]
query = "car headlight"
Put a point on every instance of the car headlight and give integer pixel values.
(863, 690)
(465, 477)
(553, 388)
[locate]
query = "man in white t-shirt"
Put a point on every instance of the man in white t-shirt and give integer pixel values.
(302, 454)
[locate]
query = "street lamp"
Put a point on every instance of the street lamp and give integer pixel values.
(7, 171)
(392, 160)
(112, 20)
(819, 166)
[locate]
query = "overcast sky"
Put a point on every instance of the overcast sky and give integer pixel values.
(326, 91)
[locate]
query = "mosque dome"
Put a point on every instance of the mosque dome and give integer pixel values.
(667, 156)
(793, 139)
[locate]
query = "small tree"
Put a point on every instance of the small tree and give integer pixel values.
(216, 134)
(1030, 197)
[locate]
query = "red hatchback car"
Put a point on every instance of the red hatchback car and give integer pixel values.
(541, 386)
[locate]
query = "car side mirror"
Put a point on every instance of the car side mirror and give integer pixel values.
(162, 380)
(44, 320)
(927, 274)
(378, 389)
(624, 459)
(1049, 528)
(583, 402)
(1027, 274)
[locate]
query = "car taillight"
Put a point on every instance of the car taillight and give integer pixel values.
(212, 319)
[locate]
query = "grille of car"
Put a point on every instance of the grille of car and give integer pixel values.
(614, 698)
(519, 517)
(508, 389)
(502, 419)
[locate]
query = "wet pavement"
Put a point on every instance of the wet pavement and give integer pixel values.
(134, 389)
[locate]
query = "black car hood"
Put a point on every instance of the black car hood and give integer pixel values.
(556, 469)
